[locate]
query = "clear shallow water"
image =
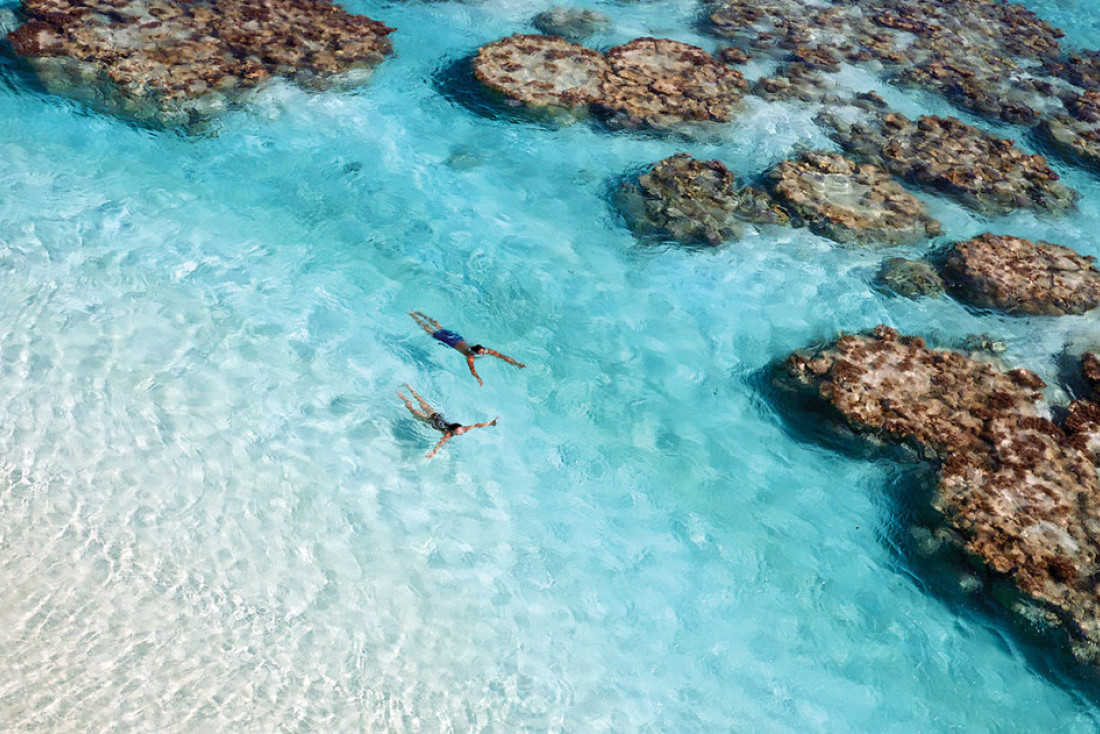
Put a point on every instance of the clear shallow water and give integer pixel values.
(215, 514)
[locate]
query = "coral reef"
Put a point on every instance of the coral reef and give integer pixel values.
(910, 278)
(1075, 133)
(657, 83)
(980, 54)
(993, 58)
(1017, 492)
(542, 72)
(572, 24)
(794, 81)
(849, 202)
(985, 172)
(1019, 276)
(734, 56)
(1090, 371)
(975, 343)
(1082, 425)
(692, 202)
(172, 62)
(1075, 139)
(647, 83)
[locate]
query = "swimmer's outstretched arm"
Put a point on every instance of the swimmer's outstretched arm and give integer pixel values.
(458, 432)
(470, 362)
(446, 437)
(462, 429)
(427, 323)
(409, 405)
(505, 357)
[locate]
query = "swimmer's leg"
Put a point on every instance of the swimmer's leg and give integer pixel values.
(423, 403)
(409, 405)
(427, 323)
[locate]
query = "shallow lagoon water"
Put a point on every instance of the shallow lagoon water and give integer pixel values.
(215, 514)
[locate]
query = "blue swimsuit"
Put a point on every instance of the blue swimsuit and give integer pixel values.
(448, 337)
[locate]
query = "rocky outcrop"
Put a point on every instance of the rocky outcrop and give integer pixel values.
(849, 202)
(174, 62)
(1017, 493)
(910, 278)
(692, 202)
(1015, 275)
(985, 172)
(647, 83)
(572, 24)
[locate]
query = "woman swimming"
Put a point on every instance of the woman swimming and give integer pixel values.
(457, 341)
(435, 419)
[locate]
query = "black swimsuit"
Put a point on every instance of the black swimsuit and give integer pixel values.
(438, 422)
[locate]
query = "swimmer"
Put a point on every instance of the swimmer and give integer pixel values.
(435, 419)
(457, 341)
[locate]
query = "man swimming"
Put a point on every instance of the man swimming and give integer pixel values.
(435, 419)
(457, 341)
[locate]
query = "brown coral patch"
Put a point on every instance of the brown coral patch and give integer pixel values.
(1021, 494)
(650, 83)
(542, 71)
(684, 199)
(981, 170)
(1019, 276)
(978, 53)
(849, 201)
(158, 56)
(658, 83)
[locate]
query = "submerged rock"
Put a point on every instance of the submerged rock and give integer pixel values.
(692, 202)
(985, 172)
(573, 24)
(794, 81)
(974, 343)
(1016, 492)
(985, 84)
(1019, 276)
(647, 83)
(734, 56)
(1080, 69)
(1077, 140)
(756, 206)
(174, 62)
(848, 201)
(910, 278)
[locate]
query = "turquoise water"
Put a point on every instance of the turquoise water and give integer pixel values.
(216, 515)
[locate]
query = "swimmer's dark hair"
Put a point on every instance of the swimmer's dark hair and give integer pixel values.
(452, 427)
(477, 349)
